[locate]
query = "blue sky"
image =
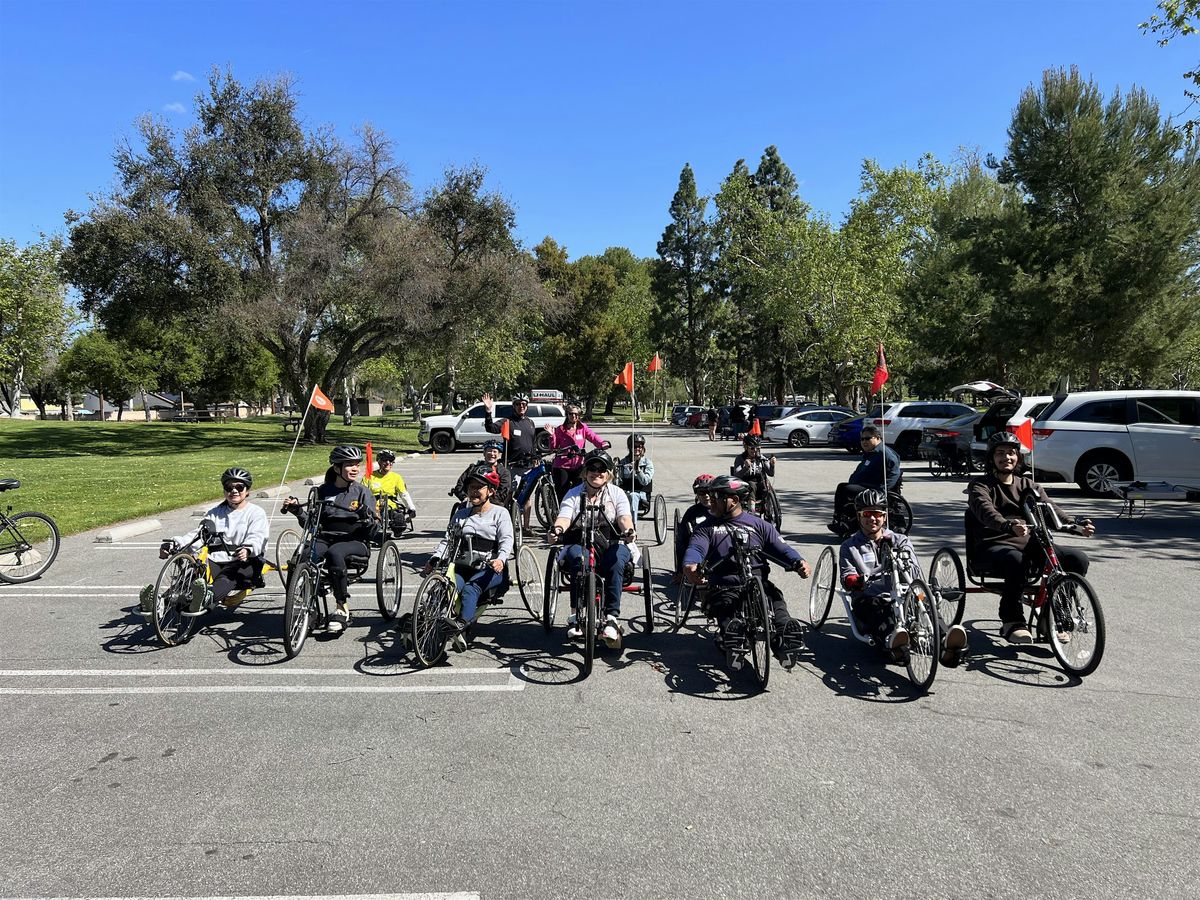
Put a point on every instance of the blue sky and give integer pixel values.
(584, 113)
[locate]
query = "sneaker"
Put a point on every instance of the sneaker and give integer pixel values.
(736, 645)
(899, 638)
(199, 595)
(338, 621)
(459, 641)
(574, 630)
(1016, 633)
(611, 635)
(954, 645)
(146, 601)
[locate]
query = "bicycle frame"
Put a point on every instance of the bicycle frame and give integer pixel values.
(896, 564)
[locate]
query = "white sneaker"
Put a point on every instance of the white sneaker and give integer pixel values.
(899, 638)
(574, 631)
(611, 633)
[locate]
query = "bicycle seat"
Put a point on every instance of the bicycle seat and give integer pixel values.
(9, 484)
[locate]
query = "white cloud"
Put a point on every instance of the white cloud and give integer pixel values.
(174, 108)
(181, 75)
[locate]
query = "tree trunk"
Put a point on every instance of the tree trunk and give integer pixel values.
(68, 410)
(15, 409)
(145, 405)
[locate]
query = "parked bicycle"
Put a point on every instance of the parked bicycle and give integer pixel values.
(29, 541)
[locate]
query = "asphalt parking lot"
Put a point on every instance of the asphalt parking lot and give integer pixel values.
(219, 768)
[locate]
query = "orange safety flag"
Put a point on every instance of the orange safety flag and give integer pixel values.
(370, 461)
(505, 429)
(1024, 433)
(881, 371)
(655, 364)
(319, 400)
(755, 427)
(625, 379)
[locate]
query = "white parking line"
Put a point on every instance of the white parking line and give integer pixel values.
(451, 895)
(369, 671)
(510, 686)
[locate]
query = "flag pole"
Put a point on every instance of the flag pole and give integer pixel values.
(288, 464)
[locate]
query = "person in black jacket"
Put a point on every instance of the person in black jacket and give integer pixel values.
(347, 525)
(521, 444)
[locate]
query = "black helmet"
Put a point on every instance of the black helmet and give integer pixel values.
(638, 440)
(484, 474)
(752, 440)
(236, 473)
(385, 456)
(600, 456)
(1003, 439)
(342, 456)
(871, 499)
(728, 486)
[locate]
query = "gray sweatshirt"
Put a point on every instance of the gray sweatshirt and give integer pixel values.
(245, 527)
(490, 532)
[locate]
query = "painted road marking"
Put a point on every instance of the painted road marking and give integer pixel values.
(451, 895)
(369, 671)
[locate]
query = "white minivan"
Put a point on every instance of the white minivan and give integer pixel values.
(1098, 438)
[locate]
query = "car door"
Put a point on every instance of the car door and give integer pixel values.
(1165, 433)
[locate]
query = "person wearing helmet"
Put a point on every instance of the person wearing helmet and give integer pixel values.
(347, 525)
(750, 465)
(697, 515)
(487, 542)
(615, 547)
(493, 451)
(388, 487)
(635, 474)
(998, 535)
(713, 546)
(861, 567)
(570, 439)
(241, 525)
(520, 452)
(879, 464)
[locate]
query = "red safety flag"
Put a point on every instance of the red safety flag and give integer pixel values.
(755, 427)
(655, 364)
(881, 371)
(1024, 433)
(505, 429)
(319, 400)
(625, 379)
(369, 470)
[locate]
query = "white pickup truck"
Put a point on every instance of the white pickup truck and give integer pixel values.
(443, 434)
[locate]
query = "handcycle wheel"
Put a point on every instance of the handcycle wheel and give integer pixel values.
(774, 514)
(545, 503)
(660, 519)
(172, 594)
(590, 600)
(298, 608)
(924, 635)
(550, 589)
(675, 520)
(900, 516)
(758, 631)
(938, 467)
(431, 610)
(286, 546)
(529, 582)
(820, 592)
(683, 603)
(28, 547)
(389, 579)
(1074, 624)
(949, 584)
(648, 589)
(514, 512)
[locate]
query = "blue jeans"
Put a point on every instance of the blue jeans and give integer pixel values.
(472, 587)
(610, 565)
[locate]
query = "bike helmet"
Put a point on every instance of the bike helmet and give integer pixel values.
(494, 444)
(343, 456)
(520, 398)
(752, 440)
(385, 456)
(600, 456)
(635, 440)
(728, 486)
(702, 483)
(870, 499)
(484, 474)
(236, 473)
(1003, 439)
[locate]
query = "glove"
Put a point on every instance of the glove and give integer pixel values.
(853, 581)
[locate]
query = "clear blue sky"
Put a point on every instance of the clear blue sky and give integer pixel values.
(583, 112)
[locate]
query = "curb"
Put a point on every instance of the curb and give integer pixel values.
(276, 491)
(120, 532)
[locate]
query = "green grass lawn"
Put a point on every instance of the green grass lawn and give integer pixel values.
(89, 474)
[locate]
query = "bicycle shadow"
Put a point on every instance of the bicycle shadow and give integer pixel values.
(134, 634)
(850, 668)
(1031, 665)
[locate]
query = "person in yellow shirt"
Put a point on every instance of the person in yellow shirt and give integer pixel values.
(387, 484)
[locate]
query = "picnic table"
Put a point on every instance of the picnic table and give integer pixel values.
(292, 422)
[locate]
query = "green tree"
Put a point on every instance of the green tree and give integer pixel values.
(99, 364)
(1179, 18)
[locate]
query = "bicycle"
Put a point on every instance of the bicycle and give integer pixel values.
(29, 541)
(173, 622)
(1077, 634)
(914, 606)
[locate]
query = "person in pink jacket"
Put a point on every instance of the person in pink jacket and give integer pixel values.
(568, 437)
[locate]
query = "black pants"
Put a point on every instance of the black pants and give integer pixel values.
(1012, 564)
(234, 576)
(874, 616)
(725, 602)
(565, 479)
(334, 552)
(845, 493)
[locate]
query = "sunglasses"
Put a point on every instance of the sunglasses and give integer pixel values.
(236, 489)
(872, 513)
(594, 469)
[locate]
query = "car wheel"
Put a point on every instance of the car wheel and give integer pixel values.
(798, 438)
(1097, 472)
(442, 442)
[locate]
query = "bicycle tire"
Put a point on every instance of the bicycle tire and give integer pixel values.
(298, 609)
(924, 635)
(550, 588)
(900, 515)
(431, 609)
(529, 582)
(389, 579)
(949, 583)
(683, 603)
(1069, 599)
(648, 588)
(589, 623)
(938, 467)
(29, 545)
(287, 546)
(774, 511)
(172, 594)
(660, 519)
(820, 592)
(514, 513)
(545, 503)
(758, 632)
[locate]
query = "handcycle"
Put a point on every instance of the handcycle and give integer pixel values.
(438, 601)
(173, 622)
(765, 502)
(558, 579)
(654, 505)
(950, 461)
(306, 605)
(914, 605)
(1064, 609)
(29, 541)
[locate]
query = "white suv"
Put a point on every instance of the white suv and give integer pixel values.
(445, 433)
(1096, 438)
(902, 422)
